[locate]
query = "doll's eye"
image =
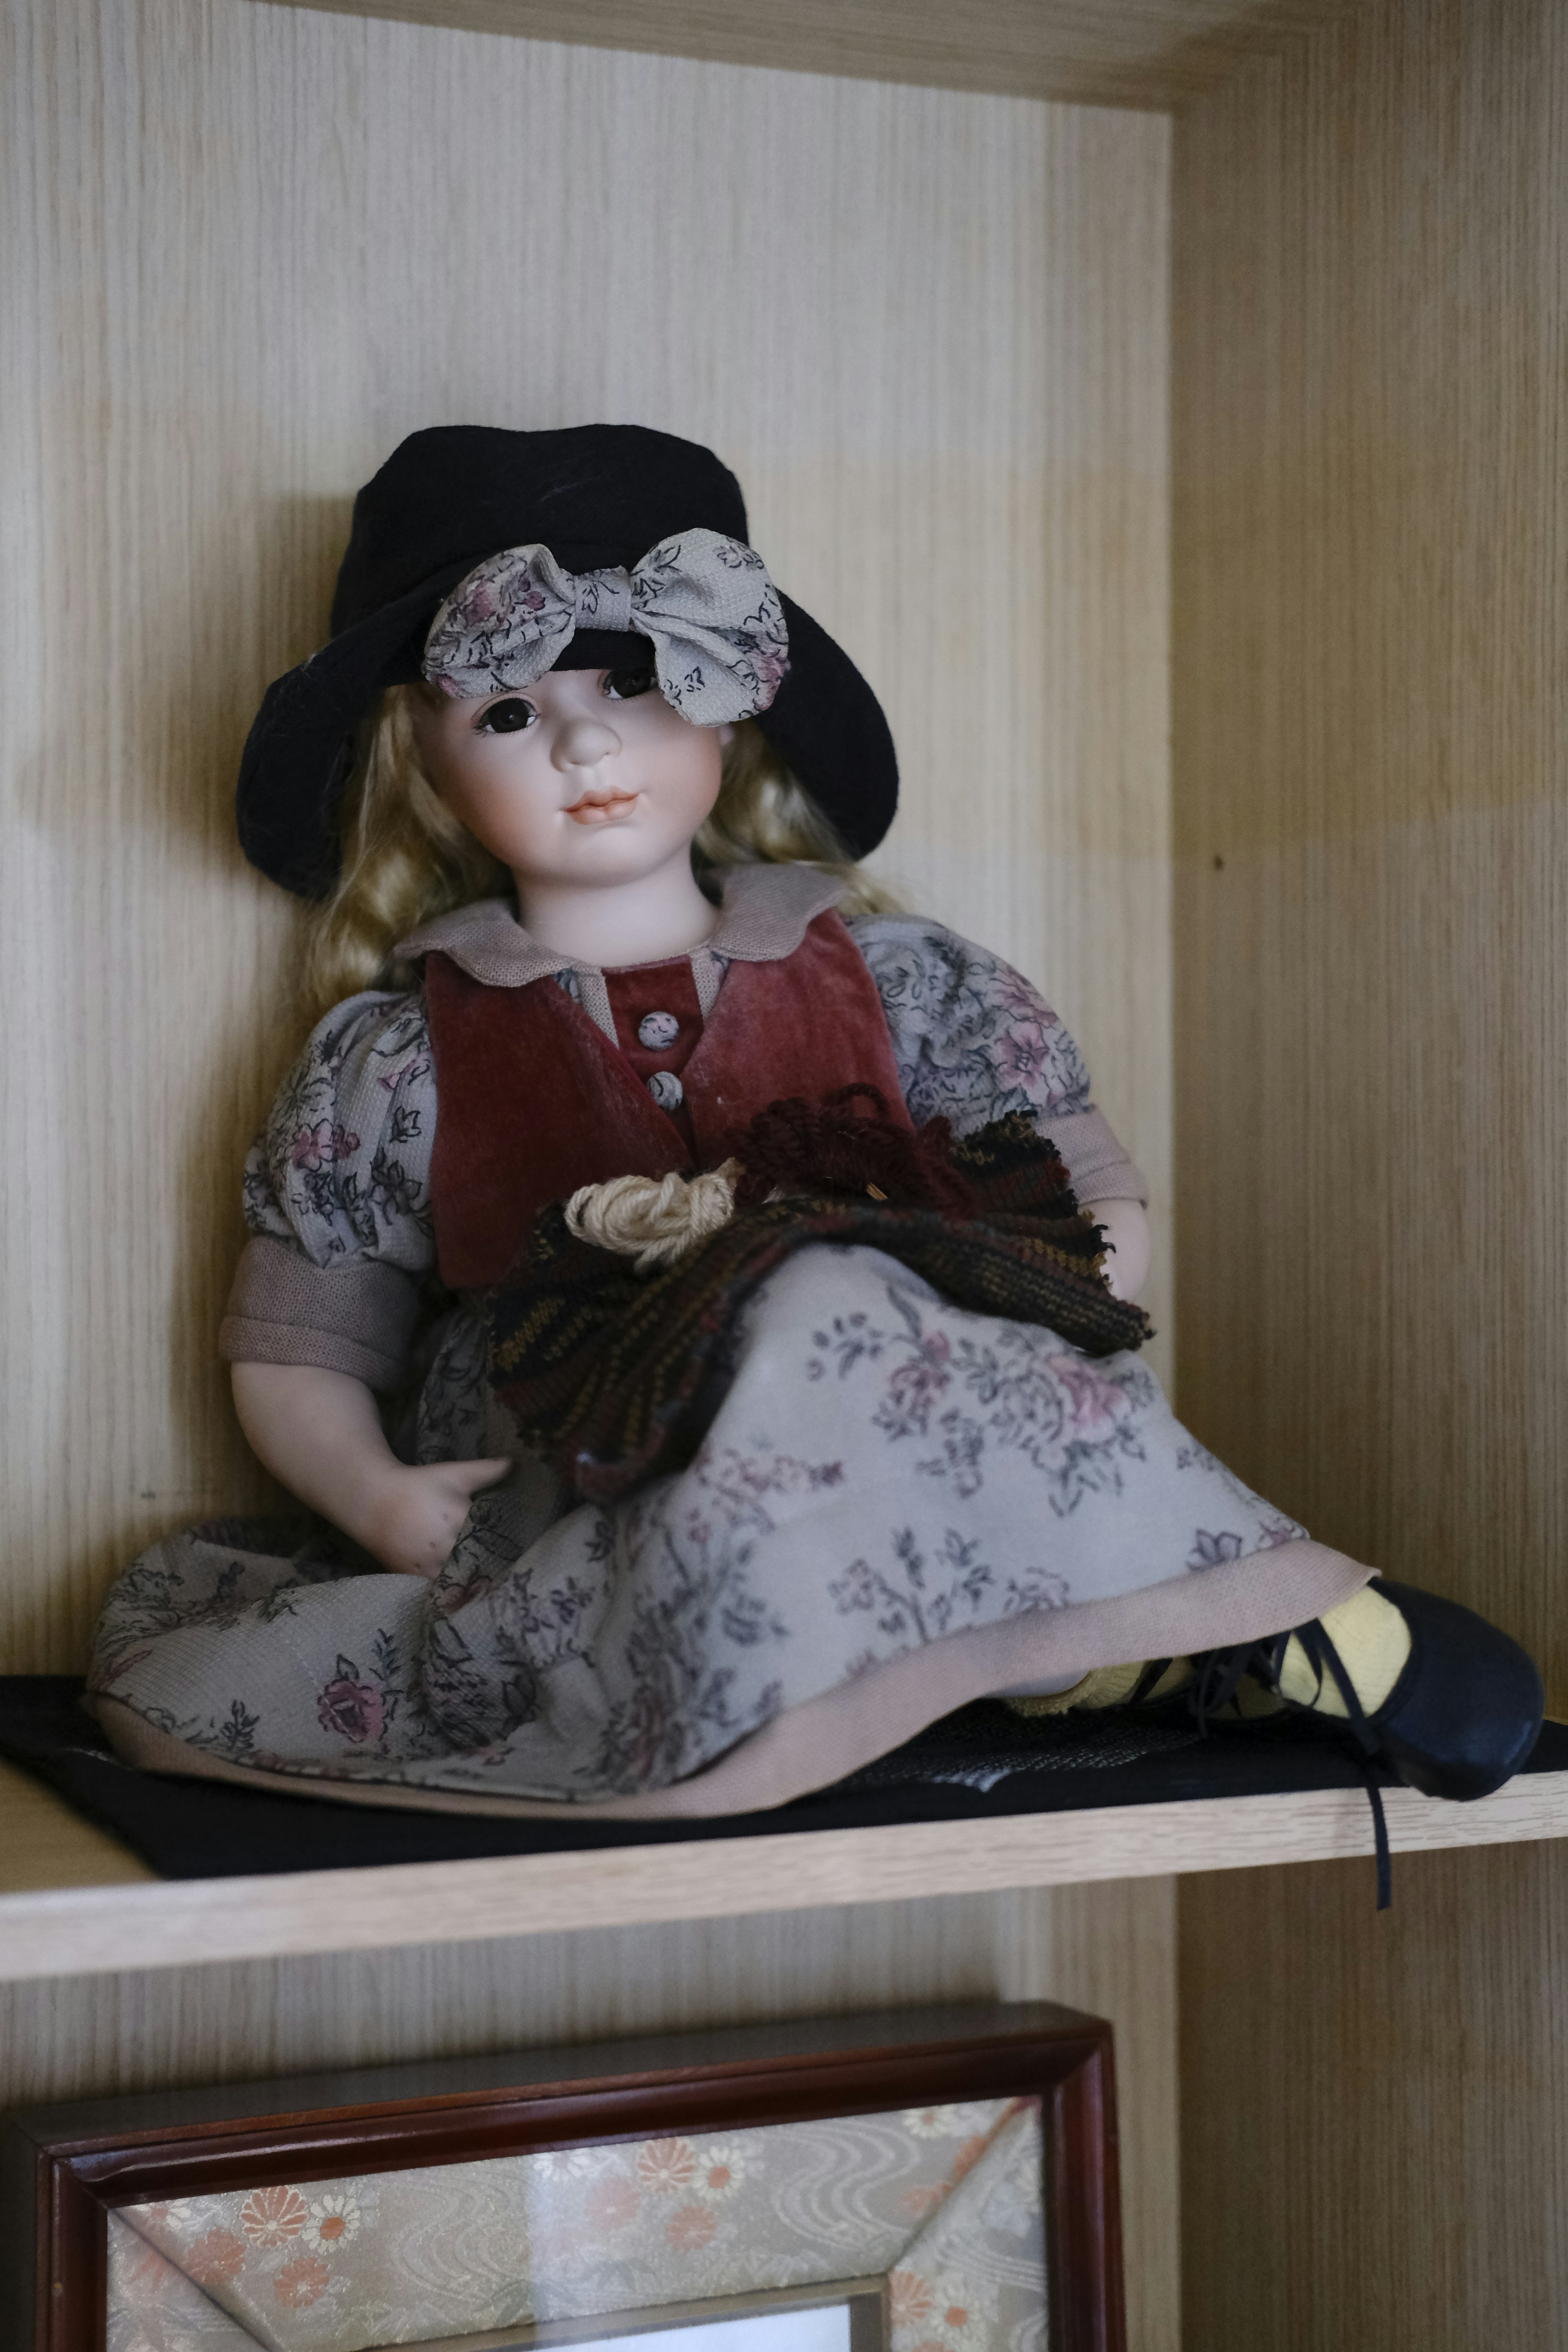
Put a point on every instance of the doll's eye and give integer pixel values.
(626, 685)
(508, 717)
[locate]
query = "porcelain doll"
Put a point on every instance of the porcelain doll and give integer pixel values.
(579, 796)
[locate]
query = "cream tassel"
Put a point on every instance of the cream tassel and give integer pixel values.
(654, 1220)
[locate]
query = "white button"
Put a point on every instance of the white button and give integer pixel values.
(667, 1090)
(658, 1030)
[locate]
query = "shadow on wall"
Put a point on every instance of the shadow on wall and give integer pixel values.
(182, 656)
(299, 544)
(280, 618)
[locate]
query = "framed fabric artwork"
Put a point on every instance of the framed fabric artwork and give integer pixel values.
(925, 2180)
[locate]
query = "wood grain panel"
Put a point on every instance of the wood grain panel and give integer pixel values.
(1415, 2198)
(1105, 1947)
(1141, 53)
(253, 246)
(1372, 1016)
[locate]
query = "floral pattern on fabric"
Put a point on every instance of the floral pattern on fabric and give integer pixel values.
(884, 1470)
(342, 1170)
(704, 600)
(156, 2305)
(952, 2212)
(972, 1039)
(1073, 1415)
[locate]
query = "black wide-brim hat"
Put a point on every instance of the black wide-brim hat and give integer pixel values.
(596, 496)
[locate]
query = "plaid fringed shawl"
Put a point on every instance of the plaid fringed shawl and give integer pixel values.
(615, 1375)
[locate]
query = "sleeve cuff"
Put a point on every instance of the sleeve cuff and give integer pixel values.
(1095, 1163)
(357, 1318)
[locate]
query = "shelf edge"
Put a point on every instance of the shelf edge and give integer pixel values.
(79, 1931)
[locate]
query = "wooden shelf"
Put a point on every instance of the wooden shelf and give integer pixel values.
(75, 1903)
(1099, 52)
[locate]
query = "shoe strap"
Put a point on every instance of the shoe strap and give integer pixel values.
(1319, 1646)
(1222, 1672)
(1379, 1836)
(1322, 1652)
(1149, 1680)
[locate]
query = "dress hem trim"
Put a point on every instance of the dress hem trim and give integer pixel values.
(822, 1741)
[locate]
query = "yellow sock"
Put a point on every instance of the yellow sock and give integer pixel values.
(1373, 1641)
(1369, 1632)
(1104, 1686)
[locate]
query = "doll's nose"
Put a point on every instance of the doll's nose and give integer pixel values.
(584, 742)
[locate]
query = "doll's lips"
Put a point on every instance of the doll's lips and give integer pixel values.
(604, 811)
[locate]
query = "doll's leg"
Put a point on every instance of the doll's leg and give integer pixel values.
(1452, 1703)
(1106, 1686)
(1373, 1639)
(1369, 1632)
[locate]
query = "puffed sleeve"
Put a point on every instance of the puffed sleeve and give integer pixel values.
(973, 1041)
(337, 1198)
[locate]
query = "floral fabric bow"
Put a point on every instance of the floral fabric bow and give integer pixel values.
(720, 646)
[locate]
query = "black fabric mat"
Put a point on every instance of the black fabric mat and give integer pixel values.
(978, 1763)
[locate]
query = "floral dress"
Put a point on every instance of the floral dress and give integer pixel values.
(899, 1506)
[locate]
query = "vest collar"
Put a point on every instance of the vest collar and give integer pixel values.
(763, 917)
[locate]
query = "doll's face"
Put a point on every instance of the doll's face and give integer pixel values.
(587, 776)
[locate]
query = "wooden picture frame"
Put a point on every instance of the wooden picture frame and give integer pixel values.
(64, 2170)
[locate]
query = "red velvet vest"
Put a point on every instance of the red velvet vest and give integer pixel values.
(533, 1100)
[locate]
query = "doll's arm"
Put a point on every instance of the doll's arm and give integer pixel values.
(1127, 1236)
(337, 1199)
(319, 1432)
(973, 1040)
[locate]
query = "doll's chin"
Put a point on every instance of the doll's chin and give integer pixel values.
(617, 853)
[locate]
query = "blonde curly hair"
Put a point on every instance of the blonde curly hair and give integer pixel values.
(407, 858)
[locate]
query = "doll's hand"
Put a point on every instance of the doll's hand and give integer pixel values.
(410, 1519)
(319, 1433)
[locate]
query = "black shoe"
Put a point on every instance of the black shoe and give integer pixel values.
(1461, 1720)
